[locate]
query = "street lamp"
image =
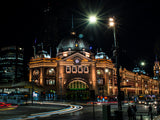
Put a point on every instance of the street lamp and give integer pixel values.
(112, 24)
(92, 19)
(143, 63)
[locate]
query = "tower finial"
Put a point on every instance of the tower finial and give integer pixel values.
(72, 31)
(72, 23)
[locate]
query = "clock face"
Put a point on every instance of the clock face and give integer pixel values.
(77, 61)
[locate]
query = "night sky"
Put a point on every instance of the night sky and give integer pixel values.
(137, 25)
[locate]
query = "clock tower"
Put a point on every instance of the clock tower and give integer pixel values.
(156, 69)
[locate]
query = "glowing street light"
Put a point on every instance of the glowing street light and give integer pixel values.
(111, 22)
(111, 19)
(112, 25)
(92, 19)
(143, 63)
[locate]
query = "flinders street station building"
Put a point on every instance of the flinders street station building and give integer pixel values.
(78, 74)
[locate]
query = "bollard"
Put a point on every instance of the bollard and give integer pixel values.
(141, 117)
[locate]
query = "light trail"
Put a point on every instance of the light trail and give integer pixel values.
(9, 108)
(70, 109)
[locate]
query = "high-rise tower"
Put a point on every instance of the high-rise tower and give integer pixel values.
(11, 64)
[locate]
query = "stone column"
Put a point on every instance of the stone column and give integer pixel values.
(30, 75)
(61, 79)
(41, 77)
(106, 81)
(142, 86)
(93, 77)
(113, 81)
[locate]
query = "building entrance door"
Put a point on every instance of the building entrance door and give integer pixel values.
(77, 90)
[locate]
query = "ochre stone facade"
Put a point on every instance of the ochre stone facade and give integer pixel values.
(76, 72)
(97, 74)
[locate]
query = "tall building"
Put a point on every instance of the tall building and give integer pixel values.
(76, 73)
(11, 64)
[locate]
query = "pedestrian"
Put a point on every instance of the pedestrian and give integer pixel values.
(150, 110)
(129, 111)
(158, 109)
(134, 110)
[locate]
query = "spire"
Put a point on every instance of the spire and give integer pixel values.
(156, 58)
(72, 23)
(72, 31)
(34, 46)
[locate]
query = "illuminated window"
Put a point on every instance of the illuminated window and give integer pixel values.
(80, 70)
(36, 81)
(65, 54)
(68, 69)
(69, 49)
(50, 82)
(100, 72)
(86, 70)
(50, 71)
(87, 54)
(74, 69)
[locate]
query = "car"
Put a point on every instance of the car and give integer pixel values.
(141, 101)
(150, 102)
(3, 104)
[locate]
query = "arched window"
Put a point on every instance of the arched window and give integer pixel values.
(50, 71)
(74, 69)
(80, 69)
(100, 72)
(77, 85)
(68, 69)
(36, 72)
(50, 82)
(86, 70)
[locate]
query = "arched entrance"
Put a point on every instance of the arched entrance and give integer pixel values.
(77, 90)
